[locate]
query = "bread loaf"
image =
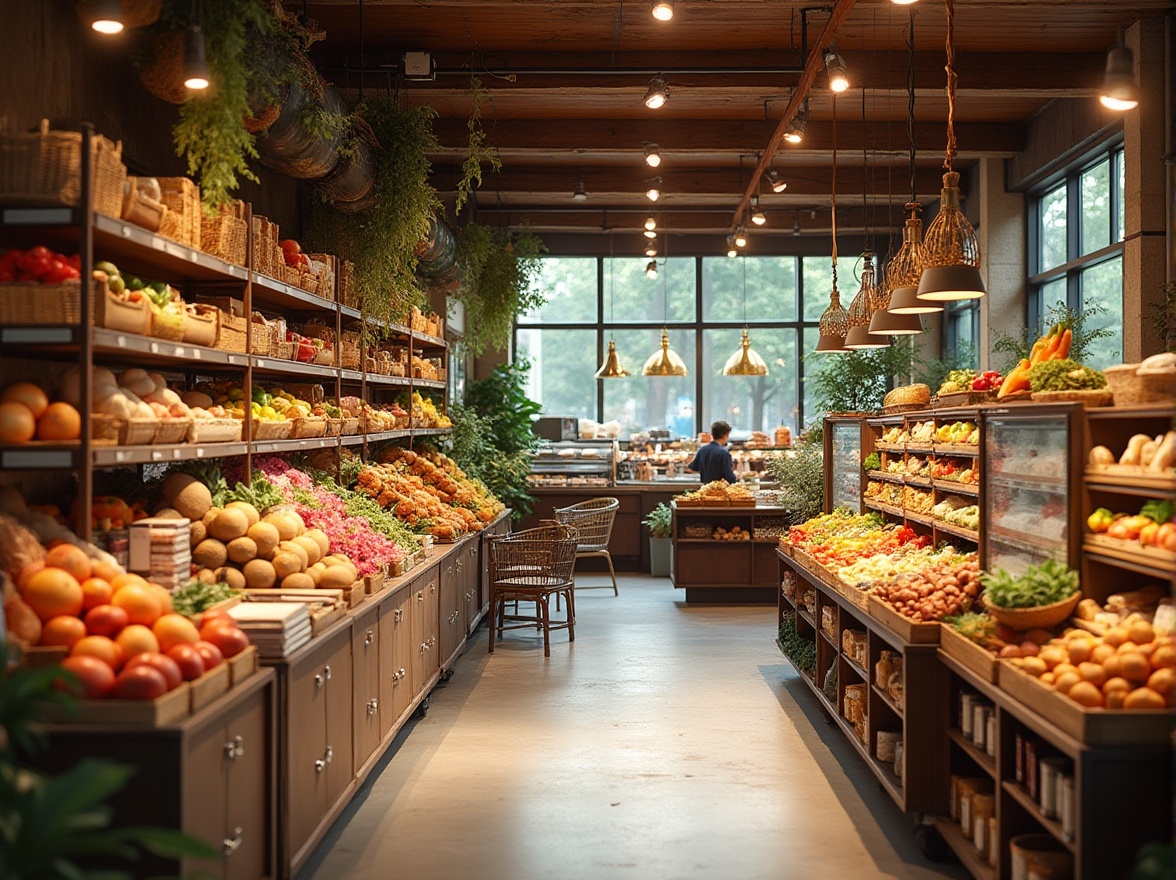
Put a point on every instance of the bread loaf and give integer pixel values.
(908, 394)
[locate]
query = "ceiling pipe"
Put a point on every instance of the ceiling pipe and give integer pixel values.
(814, 65)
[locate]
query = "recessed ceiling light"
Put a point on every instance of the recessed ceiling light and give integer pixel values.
(107, 17)
(663, 10)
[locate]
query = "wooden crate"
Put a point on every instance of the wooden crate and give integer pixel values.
(373, 583)
(39, 656)
(168, 709)
(910, 631)
(1095, 727)
(1132, 551)
(242, 666)
(209, 686)
(968, 654)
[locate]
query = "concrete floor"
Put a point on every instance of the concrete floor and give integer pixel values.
(668, 741)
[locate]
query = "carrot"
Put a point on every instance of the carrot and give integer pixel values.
(1062, 350)
(1016, 380)
(1043, 345)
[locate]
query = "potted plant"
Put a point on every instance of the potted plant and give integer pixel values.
(658, 523)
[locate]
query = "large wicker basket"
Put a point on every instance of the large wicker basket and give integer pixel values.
(1042, 617)
(233, 335)
(1131, 388)
(225, 235)
(183, 220)
(46, 166)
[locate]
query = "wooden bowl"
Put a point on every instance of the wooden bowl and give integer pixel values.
(1041, 617)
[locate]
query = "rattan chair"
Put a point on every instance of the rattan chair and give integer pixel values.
(593, 522)
(532, 566)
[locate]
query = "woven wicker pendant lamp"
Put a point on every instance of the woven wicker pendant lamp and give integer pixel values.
(834, 323)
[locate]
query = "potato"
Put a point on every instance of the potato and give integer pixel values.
(1034, 665)
(1029, 649)
(1010, 651)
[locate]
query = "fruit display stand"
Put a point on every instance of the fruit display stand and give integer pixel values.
(715, 570)
(208, 774)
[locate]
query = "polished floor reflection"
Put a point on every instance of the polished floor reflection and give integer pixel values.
(668, 741)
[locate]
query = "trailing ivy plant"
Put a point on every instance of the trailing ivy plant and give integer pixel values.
(500, 270)
(381, 241)
(478, 151)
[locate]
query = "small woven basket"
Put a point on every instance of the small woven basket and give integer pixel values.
(1042, 617)
(183, 221)
(233, 333)
(46, 166)
(1089, 398)
(307, 428)
(169, 431)
(202, 326)
(225, 234)
(168, 326)
(272, 430)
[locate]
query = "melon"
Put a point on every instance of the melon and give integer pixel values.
(265, 536)
(208, 518)
(246, 508)
(197, 533)
(300, 552)
(336, 577)
(168, 513)
(288, 524)
(210, 553)
(241, 550)
(229, 524)
(310, 546)
(320, 538)
(193, 501)
(316, 572)
(259, 574)
(285, 564)
(297, 581)
(231, 576)
(206, 576)
(176, 482)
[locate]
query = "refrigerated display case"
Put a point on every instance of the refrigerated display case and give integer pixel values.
(1029, 497)
(847, 441)
(574, 463)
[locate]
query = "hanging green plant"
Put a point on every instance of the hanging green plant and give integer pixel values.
(478, 151)
(381, 241)
(500, 270)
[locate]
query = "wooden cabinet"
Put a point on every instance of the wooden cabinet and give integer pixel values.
(317, 753)
(366, 702)
(209, 775)
(425, 615)
(397, 646)
(452, 610)
(712, 569)
(472, 590)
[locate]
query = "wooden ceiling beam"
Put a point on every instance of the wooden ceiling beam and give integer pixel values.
(583, 137)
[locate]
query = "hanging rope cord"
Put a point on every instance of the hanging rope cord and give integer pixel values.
(911, 103)
(950, 152)
(833, 188)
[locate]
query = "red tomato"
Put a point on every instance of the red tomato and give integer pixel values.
(210, 654)
(163, 664)
(219, 614)
(290, 246)
(230, 639)
(142, 682)
(106, 620)
(94, 679)
(188, 659)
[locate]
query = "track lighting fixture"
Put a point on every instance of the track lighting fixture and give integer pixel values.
(1119, 91)
(651, 249)
(732, 251)
(835, 67)
(650, 227)
(195, 64)
(658, 92)
(794, 134)
(107, 17)
(740, 237)
(796, 224)
(651, 233)
(652, 155)
(651, 270)
(579, 194)
(654, 191)
(778, 183)
(757, 215)
(663, 10)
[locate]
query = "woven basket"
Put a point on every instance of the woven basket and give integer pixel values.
(334, 427)
(1158, 386)
(215, 430)
(272, 430)
(1088, 398)
(306, 428)
(225, 235)
(1042, 617)
(285, 350)
(202, 325)
(261, 259)
(1124, 382)
(233, 333)
(117, 314)
(139, 207)
(183, 221)
(46, 167)
(163, 73)
(325, 280)
(113, 431)
(169, 326)
(350, 426)
(169, 431)
(348, 295)
(29, 302)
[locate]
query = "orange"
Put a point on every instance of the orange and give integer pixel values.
(139, 602)
(137, 639)
(60, 421)
(28, 394)
(108, 571)
(164, 597)
(175, 629)
(17, 424)
(95, 592)
(121, 579)
(52, 592)
(70, 558)
(26, 574)
(63, 631)
(101, 647)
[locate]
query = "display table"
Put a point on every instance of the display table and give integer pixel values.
(714, 570)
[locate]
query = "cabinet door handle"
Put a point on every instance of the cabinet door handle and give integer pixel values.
(432, 641)
(329, 754)
(372, 706)
(235, 748)
(368, 638)
(327, 672)
(424, 647)
(320, 765)
(399, 615)
(421, 596)
(318, 681)
(231, 844)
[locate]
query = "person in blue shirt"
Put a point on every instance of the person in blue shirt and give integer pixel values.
(713, 461)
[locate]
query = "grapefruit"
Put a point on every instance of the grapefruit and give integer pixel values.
(52, 592)
(139, 602)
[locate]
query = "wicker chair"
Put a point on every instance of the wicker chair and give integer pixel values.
(532, 566)
(593, 522)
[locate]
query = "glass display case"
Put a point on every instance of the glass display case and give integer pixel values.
(656, 462)
(574, 463)
(1032, 474)
(847, 441)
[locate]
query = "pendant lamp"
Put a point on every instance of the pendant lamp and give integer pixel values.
(861, 311)
(834, 323)
(611, 368)
(907, 268)
(746, 361)
(665, 361)
(952, 270)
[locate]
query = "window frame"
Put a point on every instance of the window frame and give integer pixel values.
(1076, 262)
(696, 327)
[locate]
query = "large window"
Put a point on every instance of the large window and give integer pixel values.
(703, 303)
(1076, 250)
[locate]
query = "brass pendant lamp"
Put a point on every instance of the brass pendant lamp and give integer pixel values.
(746, 361)
(952, 271)
(834, 323)
(611, 368)
(665, 361)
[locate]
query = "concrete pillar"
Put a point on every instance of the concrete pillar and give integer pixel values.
(1003, 258)
(1145, 195)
